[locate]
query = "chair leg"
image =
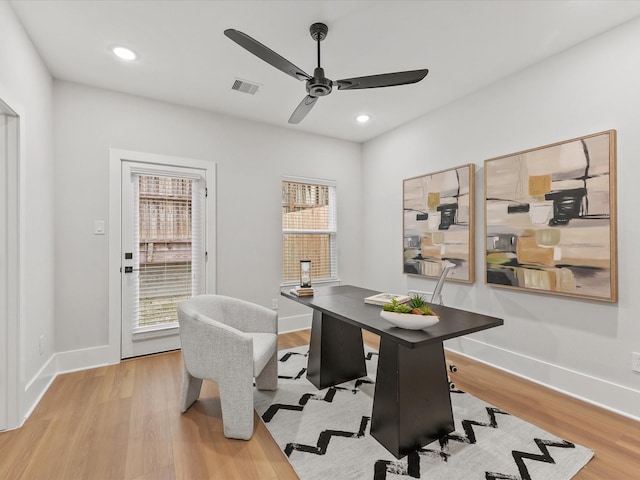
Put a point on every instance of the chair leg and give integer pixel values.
(236, 399)
(268, 378)
(190, 390)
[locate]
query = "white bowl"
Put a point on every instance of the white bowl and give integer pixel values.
(410, 321)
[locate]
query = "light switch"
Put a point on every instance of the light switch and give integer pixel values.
(98, 228)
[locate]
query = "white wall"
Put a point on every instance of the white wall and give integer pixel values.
(26, 86)
(583, 347)
(251, 159)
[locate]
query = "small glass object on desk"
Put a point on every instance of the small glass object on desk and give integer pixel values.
(305, 273)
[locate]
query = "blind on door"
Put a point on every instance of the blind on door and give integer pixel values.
(168, 229)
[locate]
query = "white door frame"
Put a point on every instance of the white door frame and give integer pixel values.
(13, 256)
(116, 157)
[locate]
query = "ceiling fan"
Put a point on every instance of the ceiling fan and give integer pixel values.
(318, 85)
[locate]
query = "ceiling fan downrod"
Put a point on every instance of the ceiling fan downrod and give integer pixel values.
(319, 85)
(318, 33)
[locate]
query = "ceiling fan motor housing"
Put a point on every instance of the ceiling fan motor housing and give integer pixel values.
(319, 85)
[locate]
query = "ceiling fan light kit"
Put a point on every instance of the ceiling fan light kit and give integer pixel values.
(318, 85)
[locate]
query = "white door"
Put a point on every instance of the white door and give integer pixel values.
(4, 320)
(9, 290)
(163, 252)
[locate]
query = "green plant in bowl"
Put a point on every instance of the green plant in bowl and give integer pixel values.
(417, 305)
(413, 315)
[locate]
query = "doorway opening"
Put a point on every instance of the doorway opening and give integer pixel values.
(9, 255)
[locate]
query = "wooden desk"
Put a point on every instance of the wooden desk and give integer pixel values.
(412, 404)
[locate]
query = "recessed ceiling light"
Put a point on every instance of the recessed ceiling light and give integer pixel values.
(363, 118)
(124, 53)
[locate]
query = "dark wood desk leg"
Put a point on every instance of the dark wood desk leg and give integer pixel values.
(412, 404)
(336, 352)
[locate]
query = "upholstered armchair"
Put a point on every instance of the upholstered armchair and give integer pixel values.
(231, 342)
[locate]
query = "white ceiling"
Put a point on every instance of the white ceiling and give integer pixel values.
(184, 57)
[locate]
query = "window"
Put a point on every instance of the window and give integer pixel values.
(309, 229)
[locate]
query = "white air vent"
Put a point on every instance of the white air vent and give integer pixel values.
(245, 86)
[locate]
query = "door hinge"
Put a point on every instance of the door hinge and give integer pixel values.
(206, 192)
(206, 256)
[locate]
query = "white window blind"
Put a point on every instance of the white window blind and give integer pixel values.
(168, 229)
(309, 228)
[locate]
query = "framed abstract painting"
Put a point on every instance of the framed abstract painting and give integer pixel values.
(550, 219)
(438, 224)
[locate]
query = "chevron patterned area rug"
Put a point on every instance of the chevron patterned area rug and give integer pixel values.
(325, 435)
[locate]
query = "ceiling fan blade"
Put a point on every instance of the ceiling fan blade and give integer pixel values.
(302, 109)
(382, 80)
(266, 54)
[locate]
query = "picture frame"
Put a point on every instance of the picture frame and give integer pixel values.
(439, 224)
(550, 219)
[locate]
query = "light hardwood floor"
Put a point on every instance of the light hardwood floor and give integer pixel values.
(123, 422)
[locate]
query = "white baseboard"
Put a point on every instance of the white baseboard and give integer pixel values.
(82, 359)
(58, 363)
(35, 389)
(602, 393)
(292, 324)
